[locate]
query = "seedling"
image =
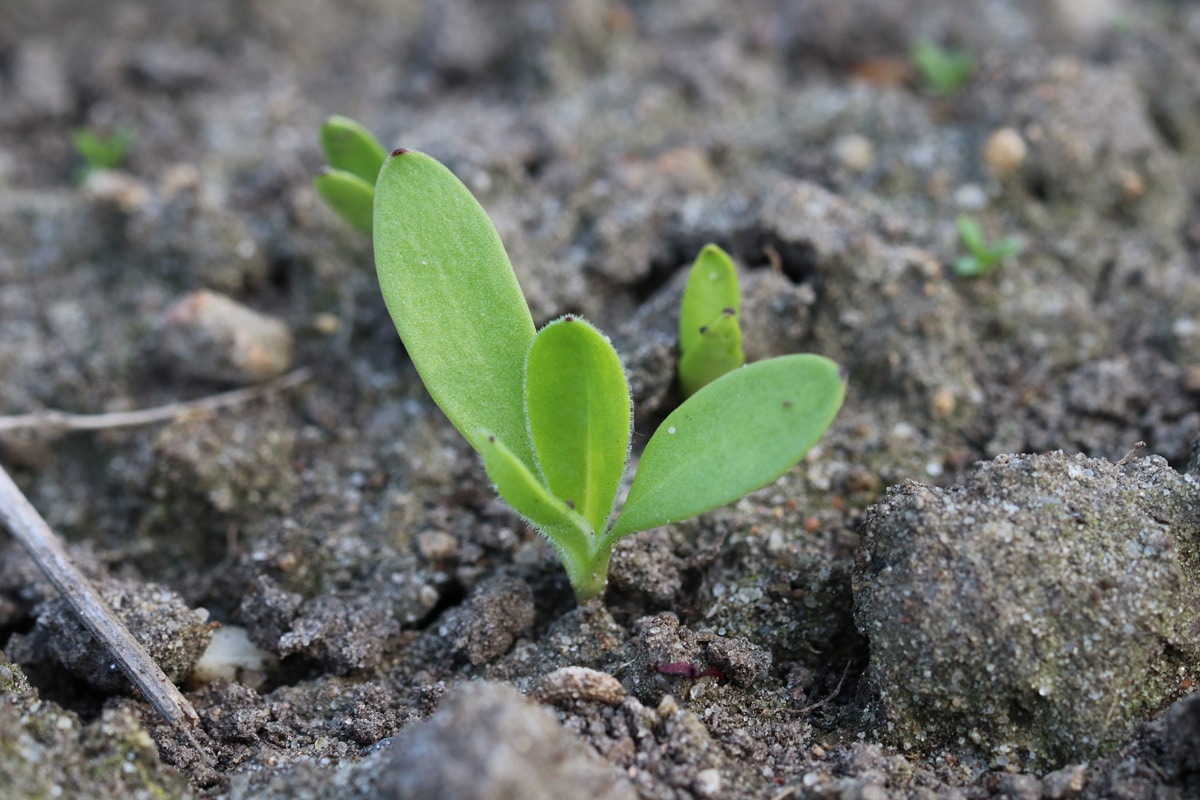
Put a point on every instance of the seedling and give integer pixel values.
(710, 339)
(550, 410)
(355, 157)
(981, 257)
(101, 152)
(943, 72)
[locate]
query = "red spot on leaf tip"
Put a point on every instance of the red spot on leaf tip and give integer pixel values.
(492, 439)
(729, 312)
(569, 318)
(399, 151)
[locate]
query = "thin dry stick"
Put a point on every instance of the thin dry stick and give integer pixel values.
(63, 420)
(832, 694)
(24, 522)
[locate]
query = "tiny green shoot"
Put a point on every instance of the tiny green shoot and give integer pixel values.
(981, 258)
(943, 72)
(550, 410)
(710, 338)
(348, 184)
(101, 152)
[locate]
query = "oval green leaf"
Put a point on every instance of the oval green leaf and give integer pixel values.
(453, 297)
(352, 148)
(719, 350)
(737, 434)
(521, 489)
(578, 405)
(349, 195)
(712, 287)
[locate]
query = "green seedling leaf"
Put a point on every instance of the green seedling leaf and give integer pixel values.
(718, 350)
(454, 298)
(943, 72)
(561, 524)
(712, 287)
(981, 258)
(349, 195)
(971, 234)
(737, 434)
(578, 405)
(352, 148)
(710, 338)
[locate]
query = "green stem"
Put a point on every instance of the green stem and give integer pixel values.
(588, 576)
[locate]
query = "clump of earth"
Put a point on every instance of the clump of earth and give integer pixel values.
(983, 582)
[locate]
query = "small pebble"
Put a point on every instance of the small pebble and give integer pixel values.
(437, 546)
(207, 335)
(1004, 153)
(707, 783)
(854, 152)
(232, 656)
(1064, 782)
(579, 683)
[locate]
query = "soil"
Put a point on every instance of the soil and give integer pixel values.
(983, 582)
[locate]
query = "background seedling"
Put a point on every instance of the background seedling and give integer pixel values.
(101, 152)
(943, 72)
(981, 258)
(550, 410)
(355, 157)
(710, 338)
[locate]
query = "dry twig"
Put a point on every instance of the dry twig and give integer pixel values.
(66, 421)
(24, 522)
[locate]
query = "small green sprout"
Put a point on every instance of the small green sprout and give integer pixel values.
(943, 72)
(355, 157)
(550, 411)
(101, 152)
(710, 339)
(982, 258)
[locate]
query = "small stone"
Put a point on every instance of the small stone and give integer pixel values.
(486, 741)
(207, 335)
(437, 546)
(579, 683)
(707, 783)
(854, 151)
(326, 324)
(1064, 782)
(942, 404)
(970, 197)
(1004, 153)
(233, 657)
(119, 189)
